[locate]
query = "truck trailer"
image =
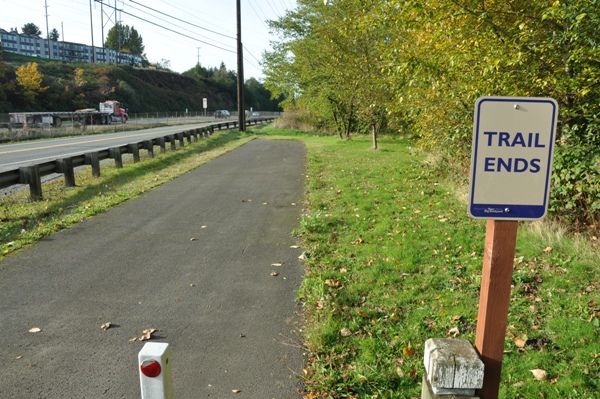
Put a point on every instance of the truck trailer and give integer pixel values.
(109, 112)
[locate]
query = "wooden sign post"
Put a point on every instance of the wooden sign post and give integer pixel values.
(498, 258)
(511, 163)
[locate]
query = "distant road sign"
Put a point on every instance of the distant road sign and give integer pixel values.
(511, 162)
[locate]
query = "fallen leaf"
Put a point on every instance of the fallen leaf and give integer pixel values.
(548, 249)
(105, 326)
(343, 270)
(408, 351)
(10, 244)
(333, 283)
(133, 339)
(203, 227)
(274, 274)
(456, 318)
(539, 374)
(147, 334)
(236, 390)
(35, 330)
(345, 332)
(294, 246)
(193, 239)
(19, 357)
(276, 264)
(358, 241)
(454, 331)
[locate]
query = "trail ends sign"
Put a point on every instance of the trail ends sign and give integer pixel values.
(511, 162)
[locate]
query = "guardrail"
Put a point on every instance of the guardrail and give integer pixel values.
(32, 174)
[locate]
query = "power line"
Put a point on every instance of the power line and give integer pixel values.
(180, 20)
(259, 17)
(257, 60)
(223, 44)
(174, 31)
(170, 4)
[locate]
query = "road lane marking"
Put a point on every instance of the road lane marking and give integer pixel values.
(73, 143)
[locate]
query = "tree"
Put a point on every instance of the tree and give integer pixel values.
(31, 29)
(30, 79)
(329, 63)
(126, 39)
(54, 36)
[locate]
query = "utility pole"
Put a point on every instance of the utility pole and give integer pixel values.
(118, 35)
(198, 64)
(92, 29)
(240, 72)
(62, 29)
(102, 23)
(47, 32)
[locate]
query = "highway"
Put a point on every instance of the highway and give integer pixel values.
(26, 153)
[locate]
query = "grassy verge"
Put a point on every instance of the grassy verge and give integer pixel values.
(23, 222)
(393, 259)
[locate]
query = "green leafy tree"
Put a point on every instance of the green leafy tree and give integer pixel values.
(126, 39)
(31, 29)
(54, 36)
(409, 64)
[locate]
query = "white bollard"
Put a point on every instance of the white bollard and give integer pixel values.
(155, 371)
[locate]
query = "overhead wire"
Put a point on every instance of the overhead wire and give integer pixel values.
(181, 20)
(222, 44)
(178, 33)
(212, 44)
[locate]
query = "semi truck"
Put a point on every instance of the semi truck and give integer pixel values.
(108, 112)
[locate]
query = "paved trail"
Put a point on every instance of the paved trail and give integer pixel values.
(193, 259)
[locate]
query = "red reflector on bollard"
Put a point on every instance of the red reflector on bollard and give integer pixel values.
(150, 368)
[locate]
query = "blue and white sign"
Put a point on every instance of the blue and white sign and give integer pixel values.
(511, 162)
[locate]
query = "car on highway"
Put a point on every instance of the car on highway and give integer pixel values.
(222, 114)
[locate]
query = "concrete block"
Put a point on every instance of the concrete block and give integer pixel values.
(427, 392)
(453, 367)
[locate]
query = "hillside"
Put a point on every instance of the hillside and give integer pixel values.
(69, 86)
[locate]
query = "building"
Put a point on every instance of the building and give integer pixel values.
(34, 46)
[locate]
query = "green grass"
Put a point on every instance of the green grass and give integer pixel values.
(391, 260)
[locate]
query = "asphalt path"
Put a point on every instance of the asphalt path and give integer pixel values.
(192, 259)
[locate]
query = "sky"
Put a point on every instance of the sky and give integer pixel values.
(182, 32)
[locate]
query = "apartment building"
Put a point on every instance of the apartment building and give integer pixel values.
(65, 51)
